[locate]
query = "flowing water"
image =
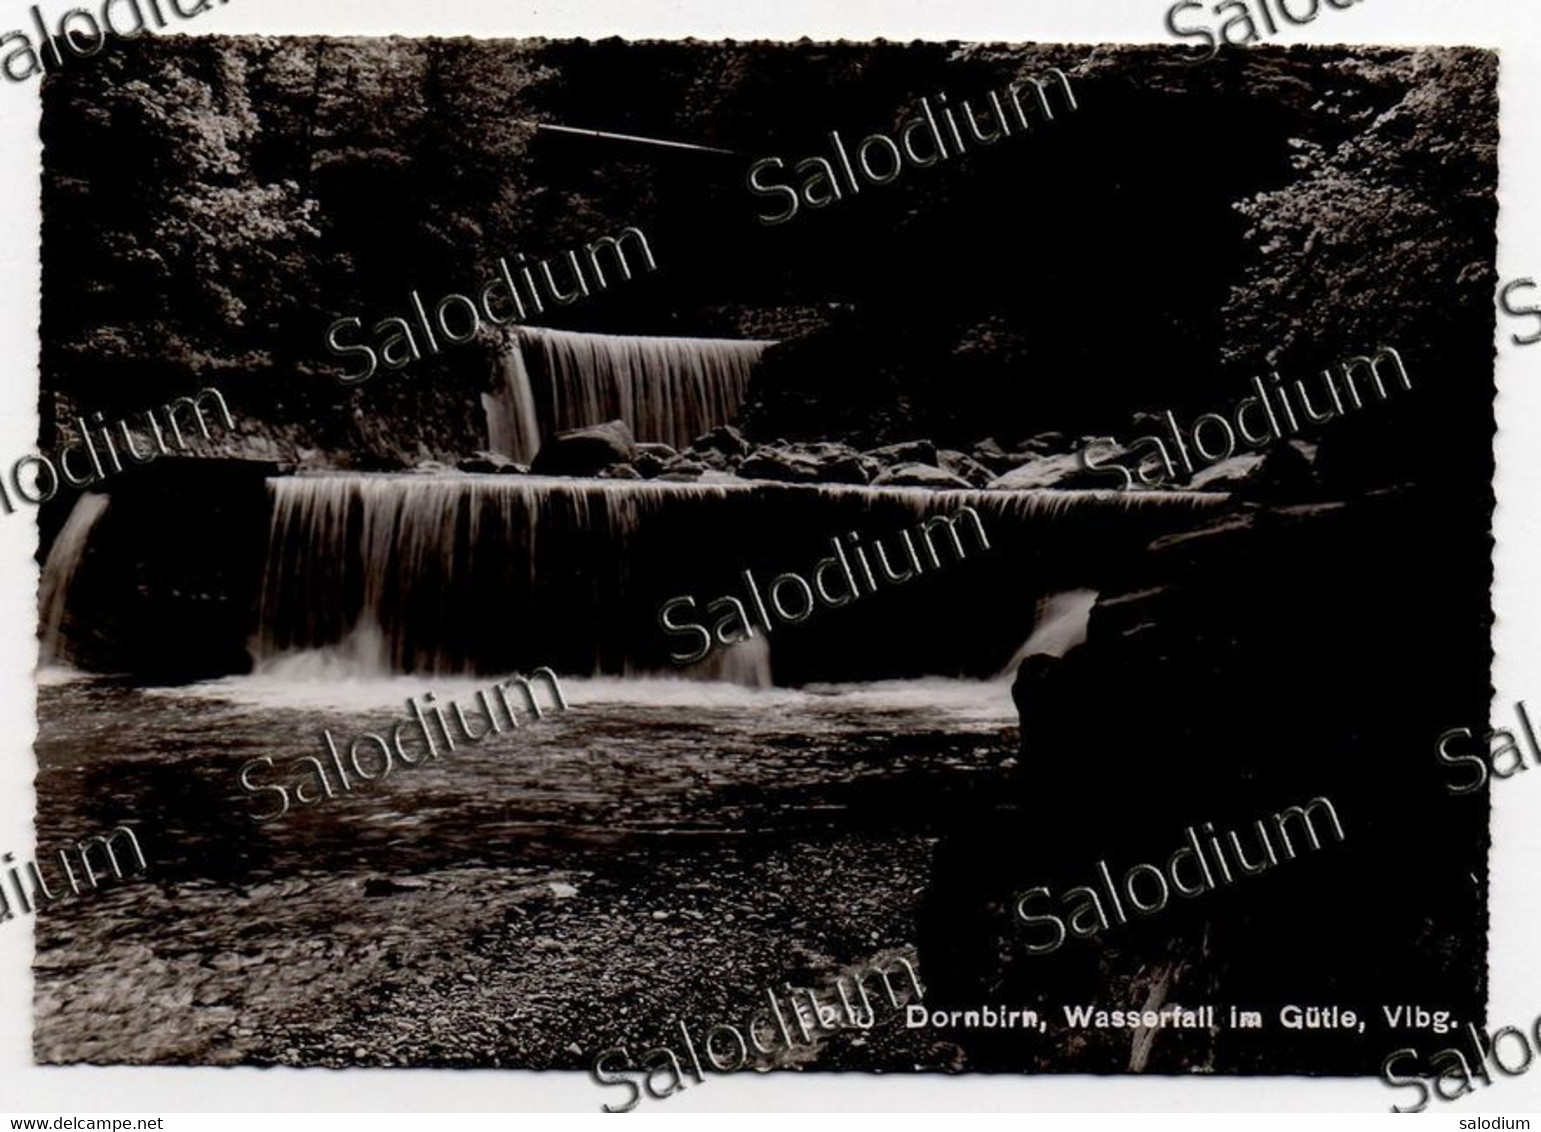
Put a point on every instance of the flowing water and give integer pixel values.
(59, 571)
(671, 844)
(666, 389)
(664, 846)
(459, 574)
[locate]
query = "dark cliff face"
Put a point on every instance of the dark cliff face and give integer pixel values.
(1271, 656)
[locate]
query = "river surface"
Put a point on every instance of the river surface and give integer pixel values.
(664, 849)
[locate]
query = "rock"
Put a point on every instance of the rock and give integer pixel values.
(989, 453)
(585, 451)
(664, 452)
(680, 471)
(1197, 640)
(724, 438)
(619, 472)
(1228, 473)
(851, 469)
(838, 463)
(918, 475)
(431, 468)
(784, 467)
(819, 449)
(964, 467)
(1062, 471)
(649, 464)
(1289, 473)
(909, 452)
(1045, 442)
(486, 463)
(1000, 465)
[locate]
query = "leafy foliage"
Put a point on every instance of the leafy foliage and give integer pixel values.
(1387, 234)
(211, 205)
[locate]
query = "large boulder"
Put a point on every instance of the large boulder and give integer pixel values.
(852, 469)
(782, 466)
(1228, 474)
(649, 465)
(585, 451)
(989, 453)
(909, 452)
(1063, 471)
(965, 467)
(918, 475)
(725, 439)
(838, 463)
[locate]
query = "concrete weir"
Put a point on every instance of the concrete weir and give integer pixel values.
(209, 574)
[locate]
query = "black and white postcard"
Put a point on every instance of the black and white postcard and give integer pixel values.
(665, 560)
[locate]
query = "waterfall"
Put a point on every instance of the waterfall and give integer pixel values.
(382, 574)
(59, 570)
(665, 389)
(1062, 622)
(513, 429)
(747, 664)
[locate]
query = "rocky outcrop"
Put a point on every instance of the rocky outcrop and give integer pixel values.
(586, 451)
(1267, 656)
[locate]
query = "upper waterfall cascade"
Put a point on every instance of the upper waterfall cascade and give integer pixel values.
(666, 389)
